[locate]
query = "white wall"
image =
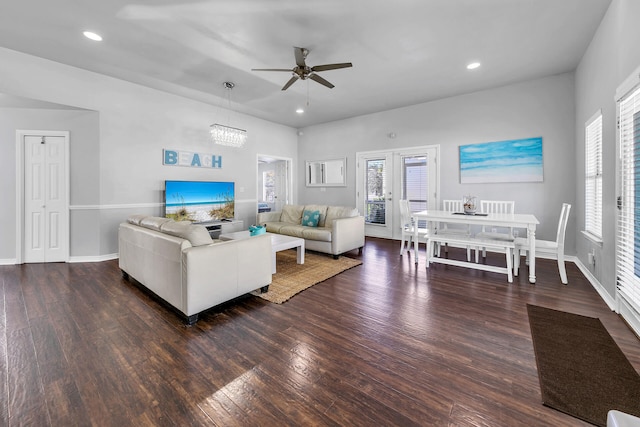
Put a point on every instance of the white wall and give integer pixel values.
(543, 107)
(135, 124)
(611, 57)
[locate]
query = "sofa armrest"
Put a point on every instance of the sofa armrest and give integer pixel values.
(222, 271)
(347, 234)
(264, 217)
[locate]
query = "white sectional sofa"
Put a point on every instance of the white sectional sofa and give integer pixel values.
(181, 264)
(339, 229)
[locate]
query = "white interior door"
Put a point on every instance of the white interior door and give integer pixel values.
(45, 213)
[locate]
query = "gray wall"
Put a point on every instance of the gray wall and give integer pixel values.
(123, 173)
(84, 171)
(543, 107)
(612, 56)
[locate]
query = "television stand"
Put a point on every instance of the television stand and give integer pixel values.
(215, 228)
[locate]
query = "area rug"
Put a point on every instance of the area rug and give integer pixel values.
(292, 278)
(581, 369)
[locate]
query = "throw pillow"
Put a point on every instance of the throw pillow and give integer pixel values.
(310, 218)
(323, 212)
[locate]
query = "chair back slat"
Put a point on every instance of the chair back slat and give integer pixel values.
(452, 205)
(405, 216)
(499, 207)
(562, 224)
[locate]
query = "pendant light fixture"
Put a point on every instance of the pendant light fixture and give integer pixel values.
(227, 135)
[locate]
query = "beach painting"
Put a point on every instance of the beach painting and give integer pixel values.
(518, 160)
(199, 201)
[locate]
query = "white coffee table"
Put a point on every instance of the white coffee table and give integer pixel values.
(279, 242)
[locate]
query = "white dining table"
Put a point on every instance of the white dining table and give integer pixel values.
(528, 221)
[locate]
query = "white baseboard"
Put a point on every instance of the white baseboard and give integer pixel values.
(611, 302)
(73, 259)
(100, 258)
(629, 315)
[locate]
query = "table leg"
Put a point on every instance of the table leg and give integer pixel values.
(273, 262)
(531, 234)
(430, 250)
(301, 254)
(415, 241)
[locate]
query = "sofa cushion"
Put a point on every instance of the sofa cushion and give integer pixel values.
(153, 222)
(198, 235)
(320, 208)
(320, 234)
(292, 214)
(335, 212)
(135, 219)
(293, 230)
(274, 227)
(310, 218)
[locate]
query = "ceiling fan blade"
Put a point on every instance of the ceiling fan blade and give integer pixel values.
(320, 80)
(291, 81)
(272, 69)
(301, 54)
(328, 67)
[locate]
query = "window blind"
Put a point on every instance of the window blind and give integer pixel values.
(628, 239)
(416, 184)
(415, 178)
(593, 176)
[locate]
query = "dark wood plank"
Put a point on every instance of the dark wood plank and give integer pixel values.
(385, 343)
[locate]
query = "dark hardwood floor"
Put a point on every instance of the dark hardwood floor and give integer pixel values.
(385, 343)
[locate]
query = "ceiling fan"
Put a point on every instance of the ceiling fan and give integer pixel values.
(302, 71)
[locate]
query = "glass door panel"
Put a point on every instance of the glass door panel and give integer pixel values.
(375, 205)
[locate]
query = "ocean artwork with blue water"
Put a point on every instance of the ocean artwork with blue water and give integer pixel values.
(518, 160)
(199, 201)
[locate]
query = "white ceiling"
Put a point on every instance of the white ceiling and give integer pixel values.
(403, 52)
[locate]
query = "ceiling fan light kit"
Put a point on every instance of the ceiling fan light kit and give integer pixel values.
(303, 72)
(227, 135)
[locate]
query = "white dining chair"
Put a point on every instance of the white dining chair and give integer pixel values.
(546, 246)
(462, 230)
(407, 224)
(487, 232)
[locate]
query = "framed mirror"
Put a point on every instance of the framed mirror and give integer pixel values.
(326, 173)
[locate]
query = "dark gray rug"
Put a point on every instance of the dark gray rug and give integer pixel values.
(582, 370)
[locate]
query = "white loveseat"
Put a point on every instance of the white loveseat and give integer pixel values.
(340, 229)
(181, 264)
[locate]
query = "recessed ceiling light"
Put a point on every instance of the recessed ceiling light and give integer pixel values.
(299, 111)
(92, 36)
(473, 66)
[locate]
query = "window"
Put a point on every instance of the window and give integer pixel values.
(268, 185)
(376, 189)
(593, 177)
(628, 243)
(414, 180)
(415, 183)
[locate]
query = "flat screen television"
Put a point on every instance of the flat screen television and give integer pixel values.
(199, 201)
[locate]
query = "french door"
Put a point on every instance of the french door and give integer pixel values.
(628, 229)
(384, 177)
(374, 194)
